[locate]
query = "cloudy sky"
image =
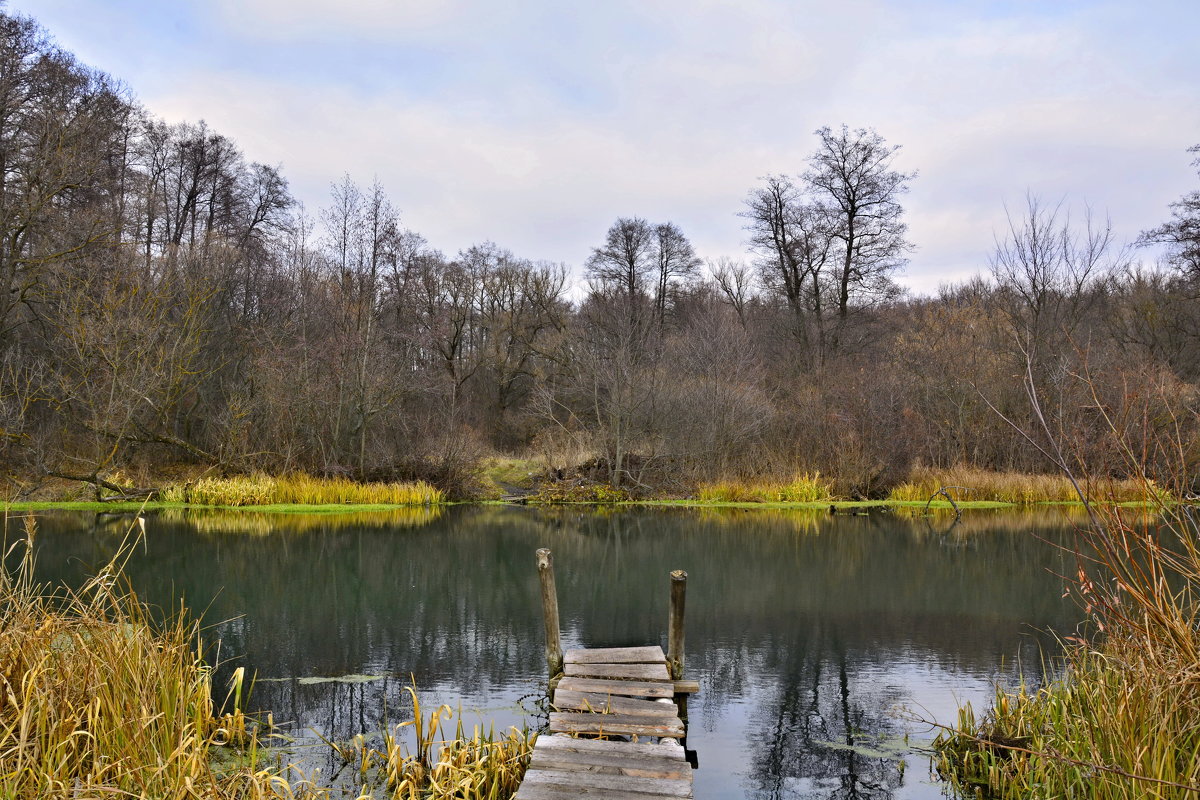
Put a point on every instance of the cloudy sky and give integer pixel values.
(535, 123)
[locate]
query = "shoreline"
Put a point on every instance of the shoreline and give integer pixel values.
(829, 506)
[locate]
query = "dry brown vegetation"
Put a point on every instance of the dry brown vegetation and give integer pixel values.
(165, 305)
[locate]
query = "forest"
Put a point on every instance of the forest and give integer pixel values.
(166, 306)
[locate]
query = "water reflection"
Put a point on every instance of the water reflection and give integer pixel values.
(806, 631)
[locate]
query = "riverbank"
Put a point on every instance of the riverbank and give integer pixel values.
(832, 507)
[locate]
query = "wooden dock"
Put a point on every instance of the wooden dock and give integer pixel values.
(619, 719)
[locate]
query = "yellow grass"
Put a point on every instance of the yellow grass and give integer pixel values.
(102, 702)
(300, 489)
(804, 488)
(1124, 719)
(1016, 487)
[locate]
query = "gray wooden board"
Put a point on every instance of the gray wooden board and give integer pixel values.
(671, 787)
(549, 792)
(615, 724)
(637, 672)
(567, 700)
(614, 687)
(606, 764)
(616, 655)
(674, 752)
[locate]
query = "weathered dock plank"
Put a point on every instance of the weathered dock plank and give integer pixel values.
(614, 724)
(607, 764)
(617, 655)
(551, 792)
(579, 780)
(667, 750)
(567, 700)
(618, 687)
(633, 672)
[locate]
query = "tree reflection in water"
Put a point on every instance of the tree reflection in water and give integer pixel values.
(805, 631)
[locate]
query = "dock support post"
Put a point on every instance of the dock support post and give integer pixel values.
(554, 655)
(675, 625)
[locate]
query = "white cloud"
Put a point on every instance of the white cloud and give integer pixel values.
(672, 110)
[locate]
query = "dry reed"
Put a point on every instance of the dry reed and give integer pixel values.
(1124, 720)
(803, 488)
(970, 483)
(99, 700)
(300, 489)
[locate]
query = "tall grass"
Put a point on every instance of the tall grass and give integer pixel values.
(300, 489)
(444, 763)
(1124, 720)
(101, 701)
(803, 488)
(970, 483)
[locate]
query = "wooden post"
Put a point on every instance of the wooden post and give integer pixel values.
(554, 655)
(675, 625)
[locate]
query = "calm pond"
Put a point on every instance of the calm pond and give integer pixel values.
(820, 642)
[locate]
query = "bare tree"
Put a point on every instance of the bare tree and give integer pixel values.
(1182, 233)
(676, 260)
(794, 239)
(61, 135)
(735, 279)
(1045, 266)
(627, 258)
(851, 179)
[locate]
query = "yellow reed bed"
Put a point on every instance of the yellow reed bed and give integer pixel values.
(1017, 487)
(804, 488)
(102, 702)
(300, 489)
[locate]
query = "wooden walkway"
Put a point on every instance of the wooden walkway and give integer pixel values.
(618, 721)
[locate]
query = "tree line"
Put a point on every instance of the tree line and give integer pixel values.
(165, 303)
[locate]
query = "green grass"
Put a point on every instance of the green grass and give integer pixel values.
(498, 472)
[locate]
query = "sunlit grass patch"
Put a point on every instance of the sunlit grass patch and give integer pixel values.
(300, 489)
(970, 483)
(803, 488)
